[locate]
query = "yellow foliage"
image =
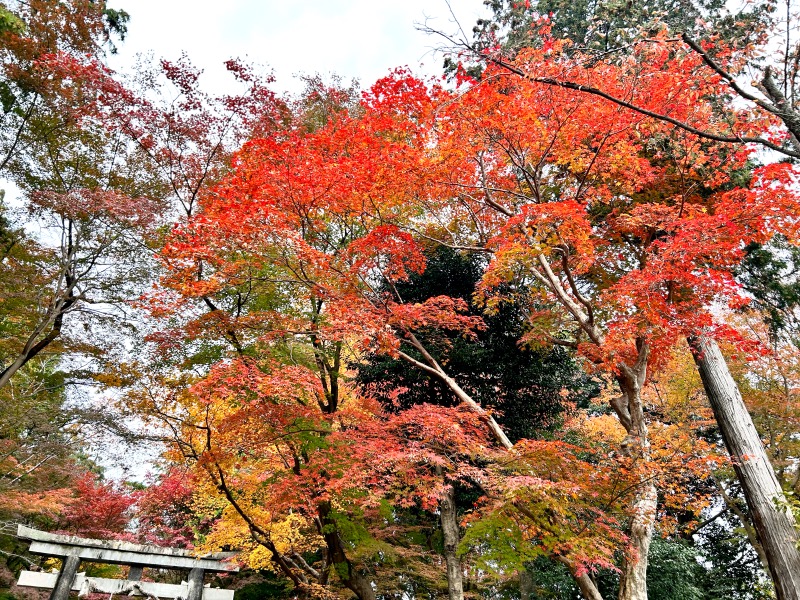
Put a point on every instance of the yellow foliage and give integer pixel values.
(601, 428)
(289, 533)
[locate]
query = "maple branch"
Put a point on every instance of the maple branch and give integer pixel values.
(418, 345)
(420, 365)
(568, 302)
(351, 578)
(633, 377)
(293, 565)
(730, 79)
(564, 249)
(588, 170)
(584, 582)
(19, 131)
(779, 106)
(518, 159)
(789, 116)
(488, 196)
(470, 186)
(451, 383)
(261, 536)
(587, 89)
(306, 567)
(447, 244)
(561, 342)
(232, 337)
(327, 374)
(64, 301)
(32, 469)
(708, 521)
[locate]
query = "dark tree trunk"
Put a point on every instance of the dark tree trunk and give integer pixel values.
(449, 520)
(525, 585)
(350, 577)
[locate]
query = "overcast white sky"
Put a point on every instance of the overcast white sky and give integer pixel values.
(360, 39)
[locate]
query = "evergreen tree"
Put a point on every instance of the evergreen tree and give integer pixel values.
(528, 388)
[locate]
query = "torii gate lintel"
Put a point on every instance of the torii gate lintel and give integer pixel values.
(72, 550)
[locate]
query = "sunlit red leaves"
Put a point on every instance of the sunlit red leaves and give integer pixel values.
(387, 252)
(642, 214)
(386, 114)
(311, 213)
(98, 509)
(661, 75)
(168, 512)
(243, 381)
(409, 457)
(439, 312)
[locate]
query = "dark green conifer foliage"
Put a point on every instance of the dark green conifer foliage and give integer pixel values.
(528, 389)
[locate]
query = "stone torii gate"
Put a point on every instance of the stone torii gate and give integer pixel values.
(72, 550)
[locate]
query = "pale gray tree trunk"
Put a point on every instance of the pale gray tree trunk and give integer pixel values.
(774, 523)
(633, 581)
(629, 409)
(585, 583)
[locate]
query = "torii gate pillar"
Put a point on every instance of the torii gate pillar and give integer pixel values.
(66, 577)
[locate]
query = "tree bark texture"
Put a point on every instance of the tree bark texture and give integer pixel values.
(774, 523)
(452, 536)
(633, 582)
(350, 577)
(525, 585)
(630, 410)
(585, 584)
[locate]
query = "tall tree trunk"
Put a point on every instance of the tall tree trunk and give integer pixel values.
(585, 583)
(633, 581)
(525, 585)
(350, 577)
(629, 409)
(449, 521)
(774, 523)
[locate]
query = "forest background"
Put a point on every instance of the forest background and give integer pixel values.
(526, 328)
